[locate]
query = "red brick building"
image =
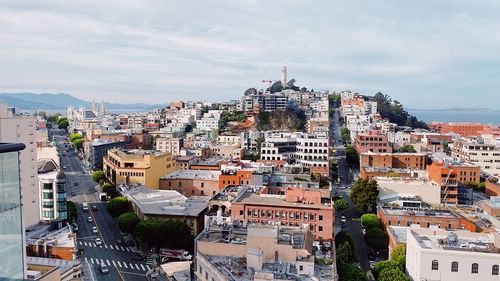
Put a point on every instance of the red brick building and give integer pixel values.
(450, 176)
(370, 163)
(299, 206)
(373, 141)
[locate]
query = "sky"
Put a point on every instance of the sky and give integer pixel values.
(426, 54)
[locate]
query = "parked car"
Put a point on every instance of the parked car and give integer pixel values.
(89, 219)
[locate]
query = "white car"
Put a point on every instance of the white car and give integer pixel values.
(94, 229)
(343, 219)
(89, 219)
(98, 241)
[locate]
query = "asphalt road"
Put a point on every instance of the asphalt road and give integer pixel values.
(117, 257)
(353, 225)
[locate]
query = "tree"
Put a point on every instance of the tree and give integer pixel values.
(350, 272)
(118, 205)
(345, 134)
(250, 91)
(63, 124)
(394, 111)
(392, 274)
(408, 148)
(370, 220)
(276, 87)
(73, 137)
(345, 253)
(475, 185)
(364, 195)
(78, 144)
(169, 234)
(340, 205)
(97, 175)
(72, 212)
(342, 237)
(375, 238)
(351, 157)
(109, 189)
(127, 222)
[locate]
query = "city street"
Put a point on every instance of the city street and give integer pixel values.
(118, 257)
(353, 225)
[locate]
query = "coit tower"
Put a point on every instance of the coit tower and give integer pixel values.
(283, 76)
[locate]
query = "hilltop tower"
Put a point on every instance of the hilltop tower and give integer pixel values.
(283, 76)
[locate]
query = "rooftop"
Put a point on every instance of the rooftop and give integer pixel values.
(428, 212)
(63, 265)
(459, 240)
(193, 174)
(62, 237)
(166, 202)
(250, 197)
(135, 152)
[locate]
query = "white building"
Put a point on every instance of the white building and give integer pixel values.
(52, 185)
(21, 129)
(390, 187)
(436, 254)
(480, 152)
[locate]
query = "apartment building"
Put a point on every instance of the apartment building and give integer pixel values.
(12, 247)
(265, 102)
(479, 152)
(226, 151)
(170, 145)
(298, 206)
(230, 140)
(254, 253)
(435, 254)
(97, 150)
(373, 141)
(192, 182)
(137, 166)
(15, 128)
(451, 176)
(52, 186)
(493, 186)
(378, 164)
(424, 217)
(235, 177)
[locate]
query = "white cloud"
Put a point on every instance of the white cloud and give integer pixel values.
(154, 50)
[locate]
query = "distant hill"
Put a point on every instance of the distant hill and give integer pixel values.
(47, 101)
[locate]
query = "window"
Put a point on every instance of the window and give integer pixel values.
(494, 269)
(320, 228)
(301, 267)
(241, 212)
(475, 268)
(202, 184)
(435, 265)
(454, 266)
(320, 217)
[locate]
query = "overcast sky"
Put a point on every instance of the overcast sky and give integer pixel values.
(426, 54)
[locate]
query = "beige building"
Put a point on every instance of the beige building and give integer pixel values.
(233, 140)
(46, 269)
(254, 253)
(138, 166)
(427, 191)
(170, 145)
(15, 128)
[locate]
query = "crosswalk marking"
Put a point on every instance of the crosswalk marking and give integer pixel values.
(92, 260)
(107, 261)
(142, 266)
(149, 268)
(106, 246)
(136, 266)
(86, 260)
(85, 243)
(128, 249)
(122, 248)
(102, 261)
(131, 265)
(125, 264)
(119, 263)
(114, 264)
(111, 246)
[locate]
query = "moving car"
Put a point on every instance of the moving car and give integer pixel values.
(343, 219)
(94, 229)
(98, 241)
(85, 207)
(103, 268)
(89, 219)
(94, 207)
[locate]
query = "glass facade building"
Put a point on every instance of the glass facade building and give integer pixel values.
(11, 226)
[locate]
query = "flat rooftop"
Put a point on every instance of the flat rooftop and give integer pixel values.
(419, 212)
(193, 174)
(278, 201)
(166, 202)
(460, 240)
(62, 237)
